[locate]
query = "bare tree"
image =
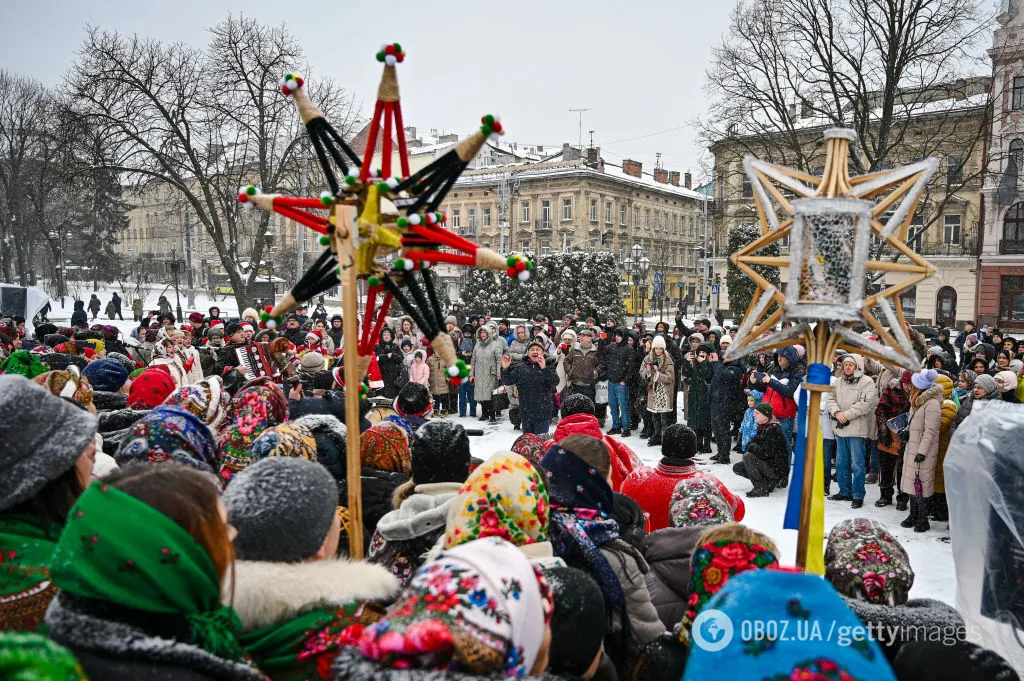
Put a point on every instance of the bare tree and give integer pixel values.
(205, 123)
(898, 72)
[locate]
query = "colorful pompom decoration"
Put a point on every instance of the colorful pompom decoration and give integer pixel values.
(325, 240)
(268, 322)
(327, 199)
(518, 267)
(373, 280)
(458, 373)
(391, 54)
(364, 391)
(290, 83)
(245, 192)
(404, 264)
(491, 127)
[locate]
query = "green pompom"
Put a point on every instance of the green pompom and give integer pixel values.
(510, 261)
(351, 179)
(325, 240)
(529, 265)
(460, 363)
(399, 264)
(327, 199)
(383, 187)
(264, 316)
(424, 265)
(486, 130)
(398, 48)
(380, 56)
(402, 222)
(488, 119)
(373, 280)
(250, 190)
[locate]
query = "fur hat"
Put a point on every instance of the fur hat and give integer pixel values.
(697, 502)
(658, 342)
(282, 507)
(413, 400)
(679, 441)
(924, 379)
(43, 437)
(440, 453)
(167, 434)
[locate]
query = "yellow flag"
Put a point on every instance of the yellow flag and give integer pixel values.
(816, 531)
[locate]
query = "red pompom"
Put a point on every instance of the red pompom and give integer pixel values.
(243, 197)
(285, 91)
(389, 49)
(520, 265)
(456, 381)
(510, 271)
(263, 325)
(400, 57)
(268, 308)
(496, 127)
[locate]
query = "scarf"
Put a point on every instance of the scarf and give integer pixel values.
(505, 497)
(31, 657)
(69, 383)
(581, 519)
(25, 550)
(259, 405)
(529, 446)
(385, 447)
(118, 549)
(480, 608)
(24, 363)
(290, 438)
(697, 502)
(711, 567)
(207, 399)
(170, 434)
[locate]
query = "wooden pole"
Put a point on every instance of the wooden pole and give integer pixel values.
(819, 348)
(346, 235)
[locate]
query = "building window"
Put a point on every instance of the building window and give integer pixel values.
(916, 232)
(1011, 299)
(524, 211)
(471, 214)
(566, 209)
(622, 215)
(1016, 155)
(636, 217)
(593, 211)
(675, 224)
(748, 189)
(954, 169)
(1018, 93)
(647, 219)
(455, 218)
(908, 299)
(608, 213)
(545, 210)
(487, 217)
(525, 247)
(951, 229)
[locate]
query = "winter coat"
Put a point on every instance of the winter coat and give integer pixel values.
(378, 488)
(110, 310)
(94, 304)
(164, 306)
(487, 367)
(392, 369)
(857, 397)
(726, 391)
(925, 421)
(698, 406)
(652, 488)
(661, 383)
(630, 567)
(465, 348)
(770, 445)
(415, 335)
(438, 383)
(209, 355)
(79, 317)
(893, 402)
(517, 348)
(535, 386)
(270, 596)
(782, 384)
(406, 534)
(117, 644)
(582, 367)
(623, 459)
(618, 360)
(337, 336)
(137, 307)
(192, 363)
(419, 371)
(668, 552)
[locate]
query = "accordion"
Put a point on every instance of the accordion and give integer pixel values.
(255, 359)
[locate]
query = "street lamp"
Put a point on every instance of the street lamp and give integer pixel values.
(269, 238)
(643, 268)
(630, 277)
(175, 269)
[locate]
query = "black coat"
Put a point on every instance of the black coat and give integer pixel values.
(535, 387)
(118, 644)
(337, 335)
(770, 445)
(668, 552)
(378, 488)
(116, 300)
(79, 316)
(391, 368)
(726, 391)
(618, 359)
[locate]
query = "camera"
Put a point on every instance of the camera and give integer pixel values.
(837, 424)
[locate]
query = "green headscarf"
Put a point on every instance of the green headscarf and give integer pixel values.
(31, 657)
(118, 549)
(26, 546)
(23, 362)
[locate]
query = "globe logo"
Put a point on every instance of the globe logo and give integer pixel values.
(712, 630)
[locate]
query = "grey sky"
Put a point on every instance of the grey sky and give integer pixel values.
(639, 65)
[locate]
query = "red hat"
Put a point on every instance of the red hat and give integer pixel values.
(246, 326)
(186, 327)
(150, 388)
(906, 376)
(214, 323)
(196, 317)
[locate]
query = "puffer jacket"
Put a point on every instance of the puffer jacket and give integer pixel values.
(624, 460)
(857, 397)
(582, 366)
(645, 625)
(925, 424)
(519, 345)
(438, 377)
(668, 552)
(782, 384)
(487, 365)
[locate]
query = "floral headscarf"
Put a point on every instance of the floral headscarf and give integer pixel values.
(207, 399)
(529, 446)
(711, 567)
(170, 434)
(290, 438)
(68, 383)
(385, 447)
(504, 497)
(697, 502)
(480, 608)
(863, 561)
(259, 405)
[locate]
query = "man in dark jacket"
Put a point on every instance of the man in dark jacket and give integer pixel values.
(227, 358)
(293, 330)
(617, 360)
(337, 331)
(779, 386)
(115, 300)
(534, 379)
(766, 461)
(725, 391)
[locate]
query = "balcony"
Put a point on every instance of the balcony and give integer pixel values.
(1011, 246)
(966, 247)
(469, 230)
(542, 227)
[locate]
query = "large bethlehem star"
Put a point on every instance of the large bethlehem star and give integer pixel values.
(831, 221)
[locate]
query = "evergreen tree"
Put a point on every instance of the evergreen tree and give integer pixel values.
(742, 287)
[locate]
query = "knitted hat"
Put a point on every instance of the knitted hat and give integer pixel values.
(331, 441)
(725, 340)
(530, 447)
(578, 622)
(987, 383)
(450, 319)
(106, 374)
(864, 562)
(679, 441)
(924, 378)
(793, 601)
(170, 434)
(406, 342)
(1006, 380)
(658, 342)
(62, 360)
(150, 388)
(259, 405)
(123, 360)
(313, 361)
(28, 656)
(196, 318)
(23, 363)
(385, 447)
(42, 437)
(505, 497)
(207, 399)
(765, 408)
(906, 376)
(577, 404)
(232, 328)
(282, 507)
(440, 453)
(285, 439)
(950, 661)
(413, 400)
(697, 502)
(68, 383)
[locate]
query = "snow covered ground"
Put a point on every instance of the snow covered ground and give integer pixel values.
(931, 558)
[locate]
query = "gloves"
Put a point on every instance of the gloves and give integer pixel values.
(919, 458)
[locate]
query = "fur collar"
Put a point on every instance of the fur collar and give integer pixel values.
(931, 393)
(273, 593)
(79, 630)
(424, 512)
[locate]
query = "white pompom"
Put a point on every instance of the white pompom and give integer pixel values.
(494, 136)
(271, 323)
(292, 84)
(409, 264)
(415, 219)
(523, 276)
(392, 182)
(243, 189)
(453, 371)
(390, 59)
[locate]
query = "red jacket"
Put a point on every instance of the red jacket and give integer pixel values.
(652, 488)
(624, 459)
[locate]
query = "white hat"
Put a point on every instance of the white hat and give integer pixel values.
(658, 342)
(924, 379)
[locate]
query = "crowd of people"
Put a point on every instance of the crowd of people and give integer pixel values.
(165, 515)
